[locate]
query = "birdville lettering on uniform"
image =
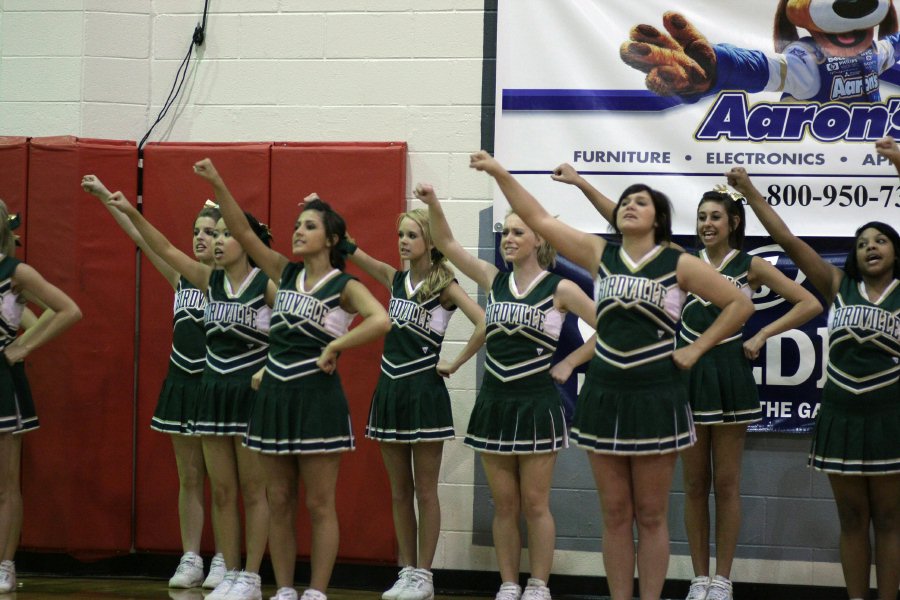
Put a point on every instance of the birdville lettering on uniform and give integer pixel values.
(301, 306)
(410, 312)
(230, 312)
(868, 318)
(733, 281)
(515, 314)
(189, 298)
(626, 287)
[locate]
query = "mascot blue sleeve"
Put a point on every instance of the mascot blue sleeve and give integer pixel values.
(892, 75)
(736, 69)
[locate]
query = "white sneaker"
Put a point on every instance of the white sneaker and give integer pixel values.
(7, 576)
(247, 586)
(189, 572)
(399, 585)
(699, 587)
(311, 594)
(420, 586)
(216, 572)
(221, 590)
(509, 591)
(719, 589)
(536, 590)
(285, 593)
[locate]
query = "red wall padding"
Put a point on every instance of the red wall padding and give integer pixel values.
(14, 179)
(366, 183)
(77, 468)
(173, 195)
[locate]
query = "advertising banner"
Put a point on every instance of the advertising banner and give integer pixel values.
(674, 97)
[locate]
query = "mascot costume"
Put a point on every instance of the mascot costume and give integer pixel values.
(839, 61)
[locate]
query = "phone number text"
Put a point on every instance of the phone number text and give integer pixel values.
(847, 195)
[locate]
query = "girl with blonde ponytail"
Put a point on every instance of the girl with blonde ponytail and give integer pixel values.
(410, 413)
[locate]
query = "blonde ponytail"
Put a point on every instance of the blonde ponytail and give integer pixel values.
(440, 275)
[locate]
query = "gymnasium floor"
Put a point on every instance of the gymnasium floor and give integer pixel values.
(59, 588)
(96, 588)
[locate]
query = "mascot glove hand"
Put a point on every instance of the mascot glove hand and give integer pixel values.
(680, 63)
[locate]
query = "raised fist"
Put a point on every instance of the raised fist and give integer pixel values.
(680, 63)
(205, 169)
(565, 173)
(425, 193)
(483, 161)
(118, 201)
(92, 185)
(887, 147)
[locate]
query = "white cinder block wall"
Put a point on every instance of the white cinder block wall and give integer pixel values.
(303, 70)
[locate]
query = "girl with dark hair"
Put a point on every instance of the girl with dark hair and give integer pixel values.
(176, 408)
(300, 425)
(236, 317)
(633, 414)
(721, 389)
(857, 434)
(20, 283)
(517, 424)
(410, 414)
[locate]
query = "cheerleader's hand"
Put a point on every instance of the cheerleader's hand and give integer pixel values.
(482, 161)
(445, 369)
(425, 193)
(15, 353)
(685, 358)
(887, 147)
(257, 379)
(92, 185)
(327, 361)
(561, 371)
(118, 201)
(740, 180)
(205, 169)
(565, 173)
(754, 345)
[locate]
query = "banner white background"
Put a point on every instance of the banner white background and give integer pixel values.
(574, 45)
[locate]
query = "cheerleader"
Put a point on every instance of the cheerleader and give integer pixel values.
(177, 403)
(517, 424)
(857, 433)
(410, 414)
(20, 283)
(300, 425)
(632, 414)
(236, 320)
(721, 388)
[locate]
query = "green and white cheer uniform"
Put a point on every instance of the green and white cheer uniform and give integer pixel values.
(518, 409)
(411, 403)
(176, 408)
(857, 429)
(17, 411)
(721, 387)
(299, 408)
(237, 326)
(633, 400)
